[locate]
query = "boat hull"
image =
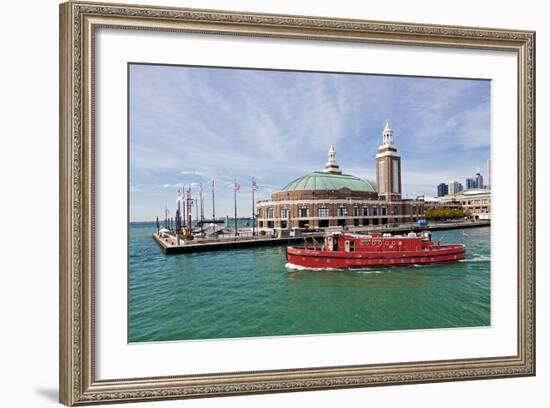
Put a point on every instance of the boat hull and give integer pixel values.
(319, 259)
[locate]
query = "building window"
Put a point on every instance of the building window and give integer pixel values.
(323, 212)
(303, 212)
(365, 211)
(342, 211)
(355, 211)
(381, 177)
(384, 211)
(395, 176)
(260, 212)
(270, 212)
(283, 224)
(284, 213)
(395, 210)
(375, 211)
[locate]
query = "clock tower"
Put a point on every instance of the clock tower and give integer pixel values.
(388, 167)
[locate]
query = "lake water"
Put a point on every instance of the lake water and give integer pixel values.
(250, 292)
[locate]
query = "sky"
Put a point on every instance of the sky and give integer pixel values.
(192, 125)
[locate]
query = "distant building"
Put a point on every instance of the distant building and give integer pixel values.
(489, 174)
(442, 190)
(479, 181)
(455, 187)
(470, 183)
(476, 201)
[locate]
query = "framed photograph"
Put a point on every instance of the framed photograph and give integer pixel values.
(256, 203)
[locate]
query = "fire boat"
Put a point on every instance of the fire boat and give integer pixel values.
(349, 251)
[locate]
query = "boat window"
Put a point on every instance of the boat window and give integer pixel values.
(352, 246)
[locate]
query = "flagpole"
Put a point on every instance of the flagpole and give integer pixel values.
(184, 206)
(235, 198)
(213, 203)
(253, 215)
(202, 202)
(178, 219)
(189, 234)
(202, 208)
(197, 209)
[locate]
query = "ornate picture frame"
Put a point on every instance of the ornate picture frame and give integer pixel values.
(78, 24)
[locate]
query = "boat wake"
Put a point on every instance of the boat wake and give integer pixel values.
(479, 258)
(293, 267)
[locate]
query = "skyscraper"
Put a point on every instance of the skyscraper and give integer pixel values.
(470, 183)
(442, 190)
(455, 187)
(479, 180)
(489, 173)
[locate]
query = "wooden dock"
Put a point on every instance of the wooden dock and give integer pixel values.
(169, 245)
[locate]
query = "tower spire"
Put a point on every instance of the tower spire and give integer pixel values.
(332, 166)
(387, 137)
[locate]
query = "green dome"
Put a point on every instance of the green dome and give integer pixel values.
(330, 181)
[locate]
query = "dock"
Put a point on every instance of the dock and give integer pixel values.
(168, 243)
(169, 246)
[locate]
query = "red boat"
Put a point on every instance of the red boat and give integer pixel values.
(347, 251)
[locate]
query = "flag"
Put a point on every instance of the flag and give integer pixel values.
(237, 187)
(212, 185)
(254, 185)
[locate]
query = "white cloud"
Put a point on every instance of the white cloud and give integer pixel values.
(190, 125)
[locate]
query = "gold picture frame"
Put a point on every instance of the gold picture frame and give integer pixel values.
(78, 22)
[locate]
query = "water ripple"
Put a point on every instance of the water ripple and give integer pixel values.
(254, 292)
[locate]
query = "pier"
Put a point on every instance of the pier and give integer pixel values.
(168, 242)
(169, 246)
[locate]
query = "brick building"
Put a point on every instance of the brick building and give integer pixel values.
(330, 198)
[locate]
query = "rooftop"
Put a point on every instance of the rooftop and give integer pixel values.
(330, 181)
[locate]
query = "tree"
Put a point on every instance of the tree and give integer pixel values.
(446, 213)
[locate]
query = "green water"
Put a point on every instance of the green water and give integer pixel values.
(250, 292)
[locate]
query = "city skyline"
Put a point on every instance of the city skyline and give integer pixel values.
(191, 125)
(477, 181)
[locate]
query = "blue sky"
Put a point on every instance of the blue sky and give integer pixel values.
(189, 125)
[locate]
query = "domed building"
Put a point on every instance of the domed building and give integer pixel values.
(330, 198)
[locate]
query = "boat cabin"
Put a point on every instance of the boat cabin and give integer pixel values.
(378, 242)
